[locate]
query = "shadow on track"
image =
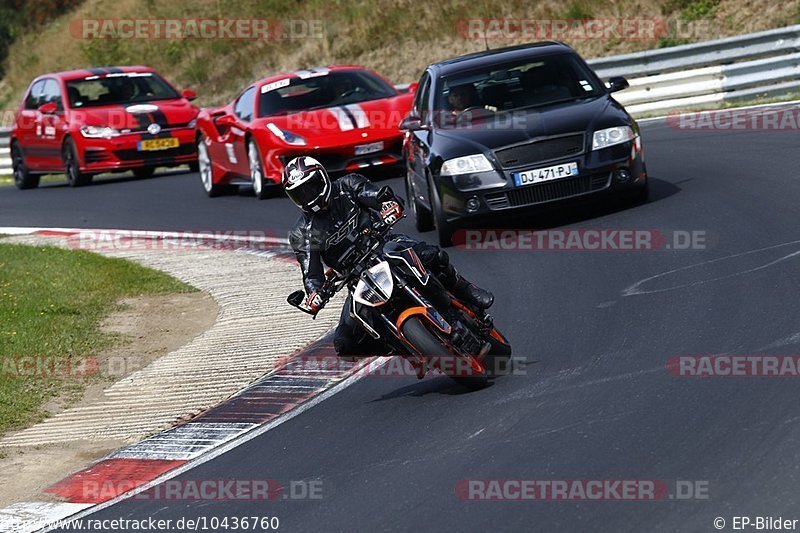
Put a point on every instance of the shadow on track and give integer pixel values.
(110, 179)
(432, 385)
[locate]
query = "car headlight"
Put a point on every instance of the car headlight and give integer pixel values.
(192, 123)
(375, 286)
(99, 132)
(482, 180)
(469, 164)
(286, 136)
(611, 136)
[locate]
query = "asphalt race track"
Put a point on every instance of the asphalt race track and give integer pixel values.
(596, 400)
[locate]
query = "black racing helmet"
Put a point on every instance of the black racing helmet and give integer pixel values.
(307, 183)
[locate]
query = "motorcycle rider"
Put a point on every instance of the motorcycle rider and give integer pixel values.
(334, 211)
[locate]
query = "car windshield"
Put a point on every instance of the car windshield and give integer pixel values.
(118, 88)
(515, 86)
(292, 95)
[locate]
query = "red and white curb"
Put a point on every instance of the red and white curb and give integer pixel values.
(273, 399)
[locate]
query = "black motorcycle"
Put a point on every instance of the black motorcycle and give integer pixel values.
(395, 300)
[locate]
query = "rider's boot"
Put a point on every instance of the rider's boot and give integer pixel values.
(464, 290)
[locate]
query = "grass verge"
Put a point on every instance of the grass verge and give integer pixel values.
(51, 305)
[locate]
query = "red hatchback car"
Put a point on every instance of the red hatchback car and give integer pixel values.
(345, 116)
(84, 122)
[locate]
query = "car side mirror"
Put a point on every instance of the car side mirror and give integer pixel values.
(49, 108)
(226, 121)
(412, 87)
(617, 83)
(296, 298)
(411, 123)
(189, 94)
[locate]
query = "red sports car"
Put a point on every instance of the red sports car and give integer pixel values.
(84, 122)
(345, 116)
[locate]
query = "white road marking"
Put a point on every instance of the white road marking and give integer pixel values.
(634, 290)
(372, 365)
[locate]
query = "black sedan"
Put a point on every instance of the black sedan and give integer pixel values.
(515, 128)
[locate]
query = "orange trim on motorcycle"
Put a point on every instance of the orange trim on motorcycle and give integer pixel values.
(429, 313)
(496, 335)
(464, 308)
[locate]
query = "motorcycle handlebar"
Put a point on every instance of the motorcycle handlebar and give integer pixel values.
(329, 286)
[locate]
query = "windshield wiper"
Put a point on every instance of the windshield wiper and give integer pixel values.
(563, 100)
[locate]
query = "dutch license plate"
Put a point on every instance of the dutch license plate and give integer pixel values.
(538, 175)
(370, 148)
(158, 144)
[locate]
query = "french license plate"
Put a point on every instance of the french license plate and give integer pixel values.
(165, 143)
(370, 148)
(538, 175)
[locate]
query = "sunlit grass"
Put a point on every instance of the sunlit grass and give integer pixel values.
(51, 304)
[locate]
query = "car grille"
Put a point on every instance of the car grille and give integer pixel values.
(548, 191)
(95, 156)
(136, 155)
(539, 151)
(165, 126)
(335, 162)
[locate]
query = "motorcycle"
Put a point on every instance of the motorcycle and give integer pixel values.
(396, 300)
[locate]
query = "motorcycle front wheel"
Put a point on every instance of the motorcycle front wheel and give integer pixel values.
(428, 344)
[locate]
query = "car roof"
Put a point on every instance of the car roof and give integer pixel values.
(309, 72)
(486, 58)
(94, 71)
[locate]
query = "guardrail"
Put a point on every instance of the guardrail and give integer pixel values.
(5, 155)
(708, 74)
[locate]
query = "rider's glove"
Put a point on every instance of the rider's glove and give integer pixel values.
(391, 211)
(313, 303)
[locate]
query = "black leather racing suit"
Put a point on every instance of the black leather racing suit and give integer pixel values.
(320, 237)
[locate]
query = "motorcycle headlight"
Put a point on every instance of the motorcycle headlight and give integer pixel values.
(611, 136)
(286, 136)
(99, 132)
(375, 286)
(468, 164)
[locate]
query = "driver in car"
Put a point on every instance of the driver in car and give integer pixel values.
(462, 97)
(335, 210)
(341, 87)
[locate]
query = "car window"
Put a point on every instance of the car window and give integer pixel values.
(422, 99)
(337, 88)
(32, 100)
(527, 83)
(118, 88)
(245, 104)
(52, 93)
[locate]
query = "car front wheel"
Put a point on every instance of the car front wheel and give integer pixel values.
(260, 186)
(206, 171)
(72, 167)
(444, 229)
(422, 216)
